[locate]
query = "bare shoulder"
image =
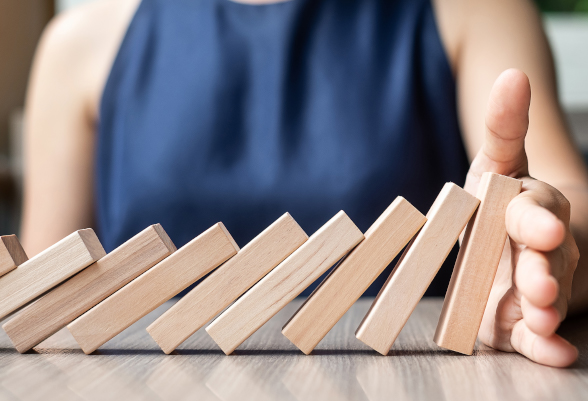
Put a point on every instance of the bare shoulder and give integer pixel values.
(450, 17)
(79, 45)
(469, 22)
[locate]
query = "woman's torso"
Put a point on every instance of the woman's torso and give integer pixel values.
(219, 111)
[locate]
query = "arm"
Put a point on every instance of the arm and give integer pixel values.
(524, 136)
(69, 71)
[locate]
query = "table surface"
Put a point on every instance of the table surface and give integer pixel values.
(269, 367)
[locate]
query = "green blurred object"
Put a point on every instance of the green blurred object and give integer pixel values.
(579, 6)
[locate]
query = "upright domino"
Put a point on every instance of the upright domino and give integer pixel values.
(151, 289)
(476, 265)
(337, 293)
(11, 254)
(69, 300)
(49, 268)
(227, 283)
(417, 267)
(322, 250)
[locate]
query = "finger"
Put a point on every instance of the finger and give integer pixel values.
(548, 197)
(541, 321)
(507, 120)
(533, 278)
(551, 351)
(530, 224)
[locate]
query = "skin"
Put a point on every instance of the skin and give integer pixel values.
(541, 277)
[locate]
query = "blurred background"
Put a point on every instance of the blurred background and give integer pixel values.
(22, 22)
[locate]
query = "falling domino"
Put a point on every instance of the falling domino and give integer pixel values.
(49, 268)
(151, 289)
(69, 300)
(266, 298)
(417, 267)
(227, 283)
(337, 293)
(11, 254)
(476, 265)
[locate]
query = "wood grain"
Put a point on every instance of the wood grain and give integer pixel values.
(324, 386)
(175, 379)
(11, 254)
(227, 283)
(322, 250)
(151, 289)
(267, 364)
(49, 268)
(417, 267)
(345, 284)
(476, 265)
(69, 300)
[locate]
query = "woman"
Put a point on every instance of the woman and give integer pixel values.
(190, 112)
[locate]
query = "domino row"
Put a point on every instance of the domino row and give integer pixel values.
(75, 284)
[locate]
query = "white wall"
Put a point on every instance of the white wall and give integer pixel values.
(568, 35)
(62, 5)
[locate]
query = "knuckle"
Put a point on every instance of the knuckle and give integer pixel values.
(565, 205)
(552, 199)
(574, 252)
(570, 250)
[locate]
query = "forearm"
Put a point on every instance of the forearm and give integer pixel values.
(578, 198)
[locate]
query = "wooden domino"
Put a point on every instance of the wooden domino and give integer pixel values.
(11, 254)
(69, 300)
(476, 265)
(151, 289)
(322, 250)
(227, 283)
(417, 267)
(345, 284)
(49, 268)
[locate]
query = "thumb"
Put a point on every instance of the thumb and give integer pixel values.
(507, 120)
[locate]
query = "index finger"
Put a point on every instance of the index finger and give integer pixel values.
(531, 224)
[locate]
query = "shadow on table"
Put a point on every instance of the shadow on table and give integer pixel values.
(421, 352)
(250, 352)
(111, 351)
(246, 352)
(198, 352)
(4, 351)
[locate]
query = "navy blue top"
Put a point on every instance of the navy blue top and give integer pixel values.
(220, 111)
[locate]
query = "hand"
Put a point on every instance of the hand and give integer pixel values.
(533, 284)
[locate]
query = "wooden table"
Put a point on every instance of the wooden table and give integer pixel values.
(269, 367)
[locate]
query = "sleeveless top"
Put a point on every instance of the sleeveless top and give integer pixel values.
(223, 111)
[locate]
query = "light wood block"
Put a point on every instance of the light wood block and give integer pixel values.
(345, 284)
(11, 254)
(417, 267)
(69, 300)
(151, 289)
(227, 283)
(266, 298)
(49, 268)
(476, 265)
